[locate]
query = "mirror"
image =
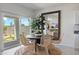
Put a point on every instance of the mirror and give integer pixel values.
(51, 24)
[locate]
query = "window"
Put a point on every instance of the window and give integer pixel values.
(9, 31)
(12, 27)
(25, 25)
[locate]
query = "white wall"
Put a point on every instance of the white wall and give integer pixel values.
(67, 22)
(1, 38)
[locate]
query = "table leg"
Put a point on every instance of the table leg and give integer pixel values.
(36, 42)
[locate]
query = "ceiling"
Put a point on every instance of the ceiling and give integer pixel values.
(37, 6)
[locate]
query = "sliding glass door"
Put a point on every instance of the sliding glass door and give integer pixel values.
(12, 28)
(9, 31)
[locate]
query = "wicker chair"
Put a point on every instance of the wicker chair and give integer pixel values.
(45, 41)
(27, 48)
(50, 48)
(54, 50)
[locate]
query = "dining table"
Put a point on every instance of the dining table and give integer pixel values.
(36, 38)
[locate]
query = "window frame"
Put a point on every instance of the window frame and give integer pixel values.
(15, 42)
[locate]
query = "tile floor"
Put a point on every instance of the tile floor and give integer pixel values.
(65, 50)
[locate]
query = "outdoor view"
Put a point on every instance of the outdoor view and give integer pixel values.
(25, 25)
(9, 29)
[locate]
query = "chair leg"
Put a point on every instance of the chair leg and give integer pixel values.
(47, 51)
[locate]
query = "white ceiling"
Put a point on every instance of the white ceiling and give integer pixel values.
(37, 6)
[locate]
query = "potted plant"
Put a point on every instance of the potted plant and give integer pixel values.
(36, 26)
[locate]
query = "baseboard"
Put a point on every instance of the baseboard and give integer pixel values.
(11, 46)
(64, 46)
